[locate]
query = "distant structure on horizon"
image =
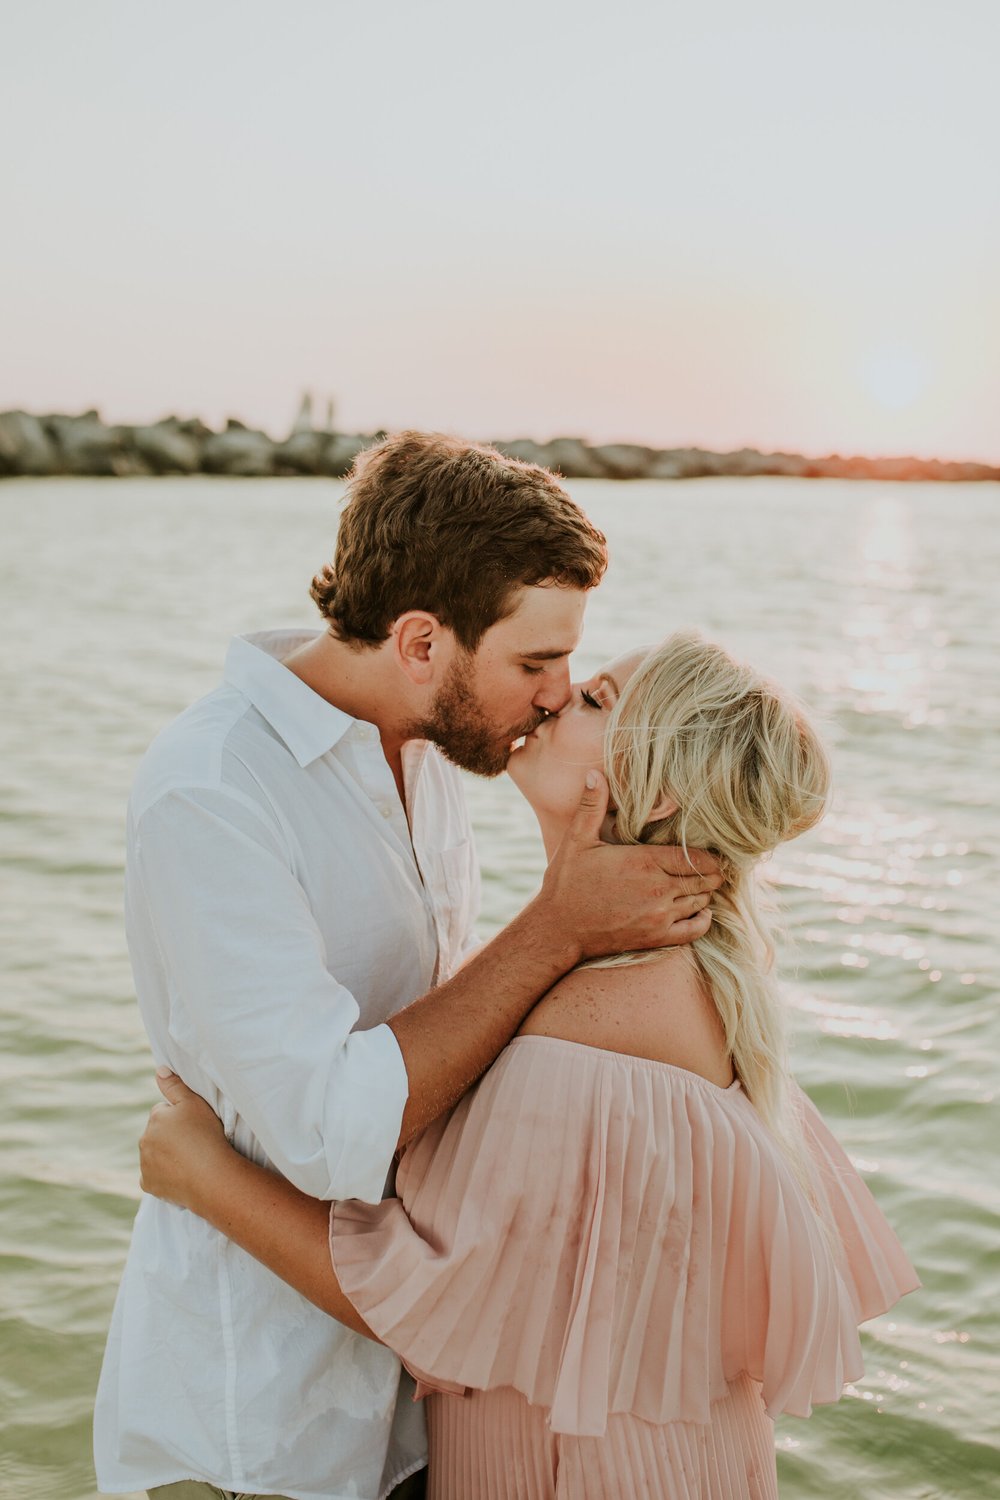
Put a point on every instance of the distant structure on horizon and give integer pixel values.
(304, 418)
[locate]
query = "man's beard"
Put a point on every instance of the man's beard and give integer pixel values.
(462, 730)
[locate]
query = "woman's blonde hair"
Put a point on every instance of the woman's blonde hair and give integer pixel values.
(747, 770)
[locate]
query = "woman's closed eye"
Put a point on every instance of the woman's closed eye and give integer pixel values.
(590, 700)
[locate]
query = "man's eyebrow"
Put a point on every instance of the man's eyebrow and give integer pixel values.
(553, 655)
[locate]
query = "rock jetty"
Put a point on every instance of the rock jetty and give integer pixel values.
(84, 445)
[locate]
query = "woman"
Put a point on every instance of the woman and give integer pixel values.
(634, 1242)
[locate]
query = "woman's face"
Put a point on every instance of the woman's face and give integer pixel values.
(551, 766)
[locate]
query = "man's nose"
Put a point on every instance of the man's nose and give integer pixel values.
(555, 693)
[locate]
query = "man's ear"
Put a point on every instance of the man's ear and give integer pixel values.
(418, 641)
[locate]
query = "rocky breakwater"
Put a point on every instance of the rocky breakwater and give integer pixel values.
(576, 459)
(84, 445)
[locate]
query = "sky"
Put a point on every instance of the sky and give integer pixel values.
(774, 225)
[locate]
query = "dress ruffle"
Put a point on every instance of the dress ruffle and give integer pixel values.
(611, 1234)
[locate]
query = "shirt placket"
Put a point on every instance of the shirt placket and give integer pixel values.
(379, 786)
(428, 860)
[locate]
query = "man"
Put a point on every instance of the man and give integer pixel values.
(300, 891)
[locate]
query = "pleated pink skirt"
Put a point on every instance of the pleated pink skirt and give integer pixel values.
(494, 1445)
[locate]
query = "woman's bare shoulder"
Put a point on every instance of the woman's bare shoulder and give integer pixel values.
(659, 1010)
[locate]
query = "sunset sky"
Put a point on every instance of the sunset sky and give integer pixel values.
(774, 224)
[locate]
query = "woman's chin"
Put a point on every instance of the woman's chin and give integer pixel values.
(518, 772)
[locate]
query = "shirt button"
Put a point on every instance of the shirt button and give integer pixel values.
(386, 812)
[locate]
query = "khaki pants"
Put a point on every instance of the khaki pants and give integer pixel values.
(413, 1488)
(199, 1489)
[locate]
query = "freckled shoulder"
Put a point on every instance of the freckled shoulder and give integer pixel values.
(661, 1010)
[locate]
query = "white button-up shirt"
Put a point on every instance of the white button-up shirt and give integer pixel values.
(279, 908)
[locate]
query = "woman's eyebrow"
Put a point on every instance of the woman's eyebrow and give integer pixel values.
(607, 677)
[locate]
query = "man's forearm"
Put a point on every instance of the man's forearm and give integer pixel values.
(449, 1037)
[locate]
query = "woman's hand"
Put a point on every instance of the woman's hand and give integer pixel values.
(183, 1146)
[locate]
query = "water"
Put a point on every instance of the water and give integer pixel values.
(876, 601)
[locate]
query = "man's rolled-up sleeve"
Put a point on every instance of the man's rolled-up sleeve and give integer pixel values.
(251, 997)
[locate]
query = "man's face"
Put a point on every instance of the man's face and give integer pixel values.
(517, 677)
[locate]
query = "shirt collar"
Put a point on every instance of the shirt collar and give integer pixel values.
(308, 724)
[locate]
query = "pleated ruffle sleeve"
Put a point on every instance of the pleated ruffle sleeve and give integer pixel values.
(611, 1234)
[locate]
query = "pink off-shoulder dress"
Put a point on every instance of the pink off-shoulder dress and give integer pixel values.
(608, 1280)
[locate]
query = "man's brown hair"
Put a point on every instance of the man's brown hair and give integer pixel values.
(453, 528)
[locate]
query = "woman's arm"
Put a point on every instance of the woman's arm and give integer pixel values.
(185, 1158)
